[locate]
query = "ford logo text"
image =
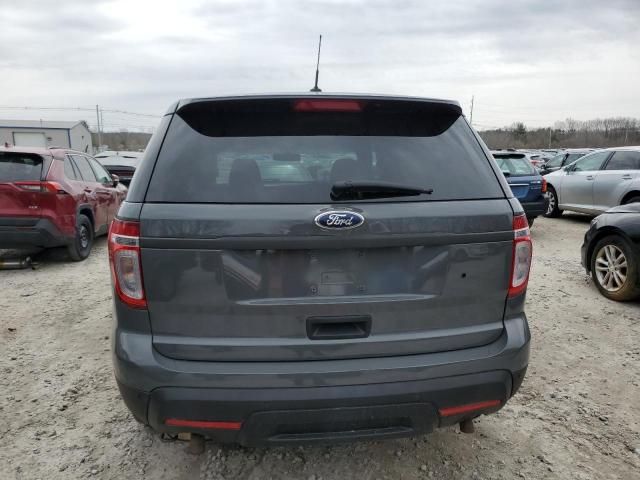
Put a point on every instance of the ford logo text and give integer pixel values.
(339, 220)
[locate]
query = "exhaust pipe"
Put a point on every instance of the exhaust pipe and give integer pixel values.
(196, 444)
(16, 264)
(466, 426)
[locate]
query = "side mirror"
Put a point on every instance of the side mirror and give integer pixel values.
(116, 180)
(567, 168)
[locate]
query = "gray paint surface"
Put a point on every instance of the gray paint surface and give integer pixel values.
(432, 276)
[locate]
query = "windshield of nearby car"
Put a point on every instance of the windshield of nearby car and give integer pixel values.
(555, 161)
(16, 167)
(572, 157)
(514, 165)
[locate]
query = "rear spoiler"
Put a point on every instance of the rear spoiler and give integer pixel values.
(293, 96)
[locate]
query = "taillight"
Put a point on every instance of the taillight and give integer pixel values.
(42, 187)
(327, 105)
(126, 267)
(544, 185)
(521, 260)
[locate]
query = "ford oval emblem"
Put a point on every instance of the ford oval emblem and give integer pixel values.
(339, 220)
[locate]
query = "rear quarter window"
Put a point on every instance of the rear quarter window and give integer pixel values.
(254, 151)
(624, 160)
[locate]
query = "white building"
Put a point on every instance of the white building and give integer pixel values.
(43, 133)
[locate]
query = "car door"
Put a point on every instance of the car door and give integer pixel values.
(106, 189)
(576, 192)
(615, 179)
(93, 194)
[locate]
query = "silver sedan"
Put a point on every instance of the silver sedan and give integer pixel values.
(596, 182)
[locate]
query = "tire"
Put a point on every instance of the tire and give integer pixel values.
(83, 241)
(530, 220)
(614, 269)
(634, 199)
(552, 210)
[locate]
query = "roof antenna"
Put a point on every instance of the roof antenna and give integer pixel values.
(315, 87)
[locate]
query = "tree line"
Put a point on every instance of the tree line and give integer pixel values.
(123, 141)
(569, 133)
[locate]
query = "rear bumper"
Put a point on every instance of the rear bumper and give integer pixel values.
(534, 209)
(266, 416)
(318, 401)
(17, 232)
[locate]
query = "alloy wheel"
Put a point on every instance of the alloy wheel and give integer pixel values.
(552, 203)
(611, 268)
(84, 237)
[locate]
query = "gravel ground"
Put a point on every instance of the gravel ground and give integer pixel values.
(576, 415)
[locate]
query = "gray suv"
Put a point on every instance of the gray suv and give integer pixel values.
(318, 268)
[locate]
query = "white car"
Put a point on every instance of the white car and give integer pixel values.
(596, 182)
(123, 164)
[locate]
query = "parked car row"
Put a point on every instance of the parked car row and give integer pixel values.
(55, 197)
(595, 182)
(605, 183)
(549, 160)
(563, 159)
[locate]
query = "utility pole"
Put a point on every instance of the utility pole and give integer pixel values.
(471, 114)
(99, 131)
(549, 137)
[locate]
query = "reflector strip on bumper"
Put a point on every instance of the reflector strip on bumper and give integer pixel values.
(177, 422)
(470, 407)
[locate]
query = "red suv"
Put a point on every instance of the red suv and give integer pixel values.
(55, 197)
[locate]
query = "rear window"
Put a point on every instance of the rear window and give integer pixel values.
(270, 151)
(514, 165)
(17, 167)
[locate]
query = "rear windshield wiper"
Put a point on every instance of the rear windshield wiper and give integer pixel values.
(363, 190)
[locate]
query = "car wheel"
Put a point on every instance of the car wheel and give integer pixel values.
(552, 209)
(614, 269)
(83, 241)
(530, 220)
(635, 199)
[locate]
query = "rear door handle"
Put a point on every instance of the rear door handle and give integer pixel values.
(589, 177)
(627, 176)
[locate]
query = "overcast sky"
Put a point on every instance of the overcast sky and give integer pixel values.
(531, 61)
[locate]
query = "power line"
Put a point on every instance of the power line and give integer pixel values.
(82, 109)
(132, 113)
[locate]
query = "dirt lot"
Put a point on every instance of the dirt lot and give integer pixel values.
(575, 417)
